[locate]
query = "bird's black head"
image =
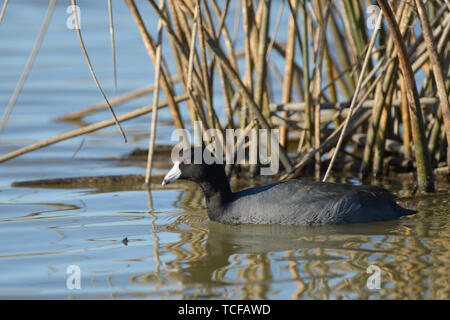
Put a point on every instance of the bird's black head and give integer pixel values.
(196, 164)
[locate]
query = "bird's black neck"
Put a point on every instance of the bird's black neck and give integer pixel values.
(217, 191)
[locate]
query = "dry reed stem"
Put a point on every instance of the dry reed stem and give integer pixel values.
(222, 17)
(275, 30)
(355, 96)
(261, 61)
(149, 45)
(91, 69)
(261, 69)
(155, 100)
(405, 120)
(305, 59)
(318, 81)
(377, 165)
(211, 119)
(224, 30)
(300, 106)
(380, 96)
(352, 46)
(75, 115)
(87, 129)
(288, 70)
(421, 56)
(179, 38)
(227, 89)
(2, 12)
(179, 57)
(29, 63)
(113, 43)
(248, 76)
(189, 86)
(424, 172)
(437, 70)
(224, 81)
(342, 56)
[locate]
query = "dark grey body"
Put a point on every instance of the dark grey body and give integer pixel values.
(297, 202)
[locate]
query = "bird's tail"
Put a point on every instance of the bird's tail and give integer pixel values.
(405, 212)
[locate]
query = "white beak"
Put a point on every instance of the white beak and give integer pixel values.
(173, 174)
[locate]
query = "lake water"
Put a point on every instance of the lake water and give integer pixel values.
(128, 243)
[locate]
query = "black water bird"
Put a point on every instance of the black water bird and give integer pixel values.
(294, 202)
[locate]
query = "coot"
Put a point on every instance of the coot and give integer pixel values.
(294, 202)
